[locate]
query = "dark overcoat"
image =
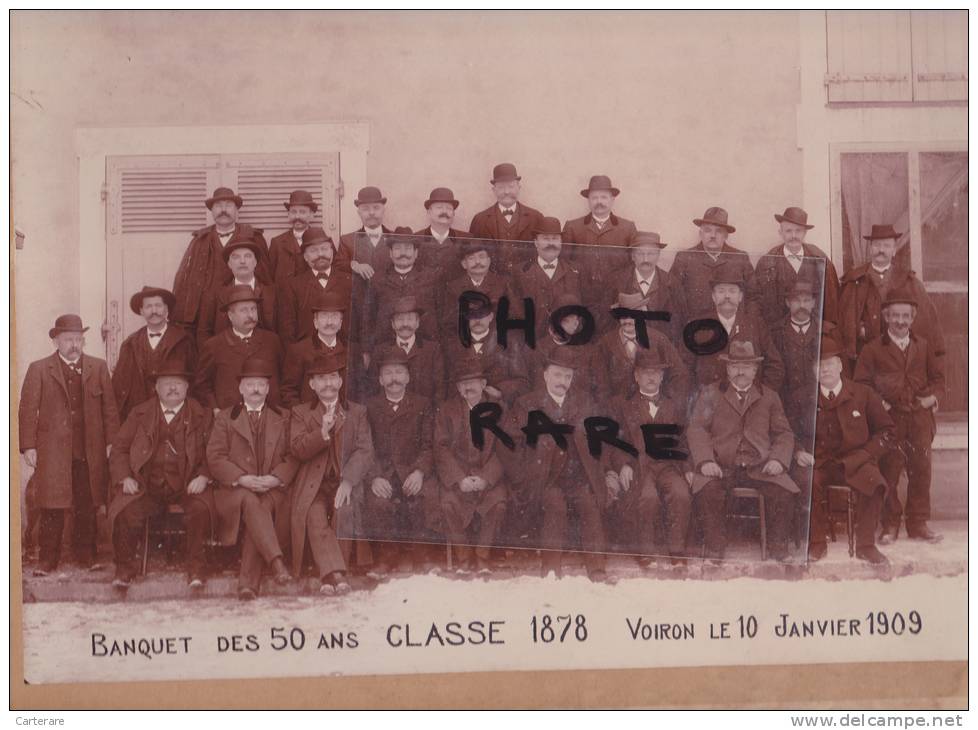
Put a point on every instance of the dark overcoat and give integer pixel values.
(491, 224)
(131, 380)
(631, 414)
(617, 375)
(774, 274)
(296, 300)
(426, 366)
(221, 359)
(356, 246)
(664, 295)
(444, 259)
(493, 286)
(694, 269)
(505, 368)
(899, 377)
(298, 357)
(746, 327)
(617, 232)
(285, 257)
(531, 282)
(213, 321)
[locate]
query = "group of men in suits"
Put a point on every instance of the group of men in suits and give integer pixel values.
(340, 404)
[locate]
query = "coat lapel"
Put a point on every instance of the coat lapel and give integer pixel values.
(272, 432)
(243, 427)
(54, 366)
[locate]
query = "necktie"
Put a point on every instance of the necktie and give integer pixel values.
(155, 334)
(322, 276)
(742, 396)
(831, 396)
(549, 267)
(253, 417)
(800, 328)
(509, 214)
(394, 405)
(478, 347)
(75, 368)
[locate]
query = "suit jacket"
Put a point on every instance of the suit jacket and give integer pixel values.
(617, 374)
(531, 281)
(587, 376)
(426, 365)
(617, 232)
(403, 438)
(296, 298)
(443, 259)
(694, 269)
(901, 377)
(356, 247)
(861, 305)
(719, 423)
(137, 440)
(351, 435)
(665, 295)
(298, 357)
(221, 359)
(491, 224)
(212, 320)
(386, 287)
(633, 413)
(493, 286)
(285, 257)
(799, 353)
(232, 454)
(774, 274)
(203, 268)
(132, 381)
(750, 327)
(44, 423)
(505, 368)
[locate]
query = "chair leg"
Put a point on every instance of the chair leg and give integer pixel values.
(448, 554)
(145, 545)
(827, 504)
(763, 520)
(850, 522)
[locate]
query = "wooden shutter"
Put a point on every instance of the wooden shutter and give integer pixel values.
(940, 55)
(869, 56)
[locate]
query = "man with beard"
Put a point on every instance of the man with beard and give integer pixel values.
(473, 489)
(600, 227)
(402, 503)
(904, 368)
(224, 354)
(440, 243)
(507, 220)
(866, 287)
(424, 359)
(203, 267)
(696, 267)
(159, 459)
(67, 420)
(285, 250)
(248, 455)
(331, 440)
(477, 276)
(738, 436)
(362, 252)
(295, 309)
(144, 350)
(241, 256)
(791, 261)
(328, 312)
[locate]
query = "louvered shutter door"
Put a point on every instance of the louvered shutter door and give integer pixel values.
(940, 55)
(869, 56)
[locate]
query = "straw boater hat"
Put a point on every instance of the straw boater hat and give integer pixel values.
(369, 194)
(441, 195)
(600, 182)
(67, 323)
(504, 172)
(301, 197)
(136, 301)
(741, 351)
(223, 194)
(716, 217)
(794, 215)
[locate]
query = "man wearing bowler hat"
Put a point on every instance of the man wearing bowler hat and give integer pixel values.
(144, 350)
(159, 458)
(508, 219)
(203, 267)
(330, 438)
(738, 436)
(694, 268)
(425, 363)
(285, 250)
(66, 421)
(475, 274)
(224, 354)
(864, 288)
(600, 227)
(791, 261)
(439, 241)
(328, 314)
(241, 256)
(248, 456)
(363, 252)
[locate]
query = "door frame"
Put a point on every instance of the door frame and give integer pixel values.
(93, 145)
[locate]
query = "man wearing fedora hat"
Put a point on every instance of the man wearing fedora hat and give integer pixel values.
(331, 441)
(651, 491)
(224, 354)
(864, 288)
(159, 458)
(791, 261)
(295, 301)
(285, 249)
(67, 419)
(477, 275)
(248, 456)
(695, 267)
(203, 267)
(600, 227)
(587, 353)
(363, 252)
(852, 433)
(472, 480)
(425, 363)
(439, 241)
(739, 436)
(508, 219)
(904, 367)
(329, 310)
(144, 350)
(241, 256)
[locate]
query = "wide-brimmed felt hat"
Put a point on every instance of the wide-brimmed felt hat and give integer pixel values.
(650, 358)
(313, 236)
(393, 356)
(646, 238)
(600, 182)
(239, 293)
(727, 275)
(136, 300)
(794, 215)
(223, 194)
(468, 368)
(902, 295)
(441, 195)
(881, 231)
(238, 243)
(256, 367)
(403, 305)
(631, 300)
(329, 301)
(564, 357)
(830, 348)
(798, 287)
(172, 368)
(301, 197)
(547, 226)
(741, 351)
(716, 217)
(326, 363)
(369, 194)
(67, 323)
(504, 172)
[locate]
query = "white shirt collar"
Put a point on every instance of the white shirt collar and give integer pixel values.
(405, 272)
(639, 279)
(901, 342)
(479, 282)
(600, 221)
(880, 271)
(548, 272)
(480, 338)
(241, 336)
(395, 401)
(326, 342)
(834, 391)
(558, 399)
(803, 325)
(69, 362)
(255, 410)
(299, 234)
(175, 410)
(251, 283)
(503, 208)
(378, 231)
(154, 341)
(331, 406)
(727, 322)
(439, 237)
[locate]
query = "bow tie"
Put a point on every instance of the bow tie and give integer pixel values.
(795, 256)
(322, 276)
(155, 334)
(800, 328)
(405, 346)
(509, 212)
(169, 412)
(225, 235)
(549, 267)
(651, 398)
(245, 340)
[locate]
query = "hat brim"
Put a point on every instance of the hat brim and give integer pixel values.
(428, 203)
(318, 242)
(726, 358)
(55, 331)
(895, 237)
(782, 219)
(614, 191)
(358, 203)
(659, 245)
(469, 376)
(508, 178)
(311, 205)
(253, 247)
(891, 302)
(175, 374)
(699, 222)
(136, 300)
(256, 299)
(418, 310)
(237, 200)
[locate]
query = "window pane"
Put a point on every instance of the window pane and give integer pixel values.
(875, 191)
(944, 215)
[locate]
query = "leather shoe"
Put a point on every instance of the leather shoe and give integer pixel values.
(817, 551)
(871, 555)
(922, 532)
(280, 572)
(246, 594)
(889, 535)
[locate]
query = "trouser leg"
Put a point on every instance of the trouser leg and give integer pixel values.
(673, 492)
(818, 520)
(711, 507)
(778, 503)
(488, 530)
(256, 514)
(868, 509)
(50, 533)
(128, 529)
(197, 523)
(379, 517)
(919, 460)
(85, 532)
(323, 543)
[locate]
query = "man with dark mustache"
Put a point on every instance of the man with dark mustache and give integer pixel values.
(440, 243)
(363, 252)
(477, 276)
(508, 219)
(284, 251)
(329, 310)
(425, 362)
(600, 227)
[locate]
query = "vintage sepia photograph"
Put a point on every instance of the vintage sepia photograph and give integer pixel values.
(353, 343)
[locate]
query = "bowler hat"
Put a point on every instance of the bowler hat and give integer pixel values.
(794, 215)
(468, 368)
(239, 293)
(330, 362)
(829, 348)
(800, 286)
(469, 246)
(649, 359)
(369, 194)
(631, 300)
(403, 305)
(548, 226)
(403, 234)
(313, 236)
(136, 300)
(900, 296)
(393, 356)
(716, 217)
(255, 367)
(240, 242)
(329, 301)
(646, 238)
(727, 275)
(174, 368)
(66, 323)
(301, 197)
(441, 195)
(564, 357)
(478, 309)
(741, 351)
(600, 182)
(504, 172)
(223, 194)
(880, 232)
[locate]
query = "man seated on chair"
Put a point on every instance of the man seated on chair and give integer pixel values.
(248, 455)
(158, 460)
(852, 429)
(739, 437)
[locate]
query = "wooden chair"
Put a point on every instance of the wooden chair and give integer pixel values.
(169, 529)
(761, 517)
(849, 513)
